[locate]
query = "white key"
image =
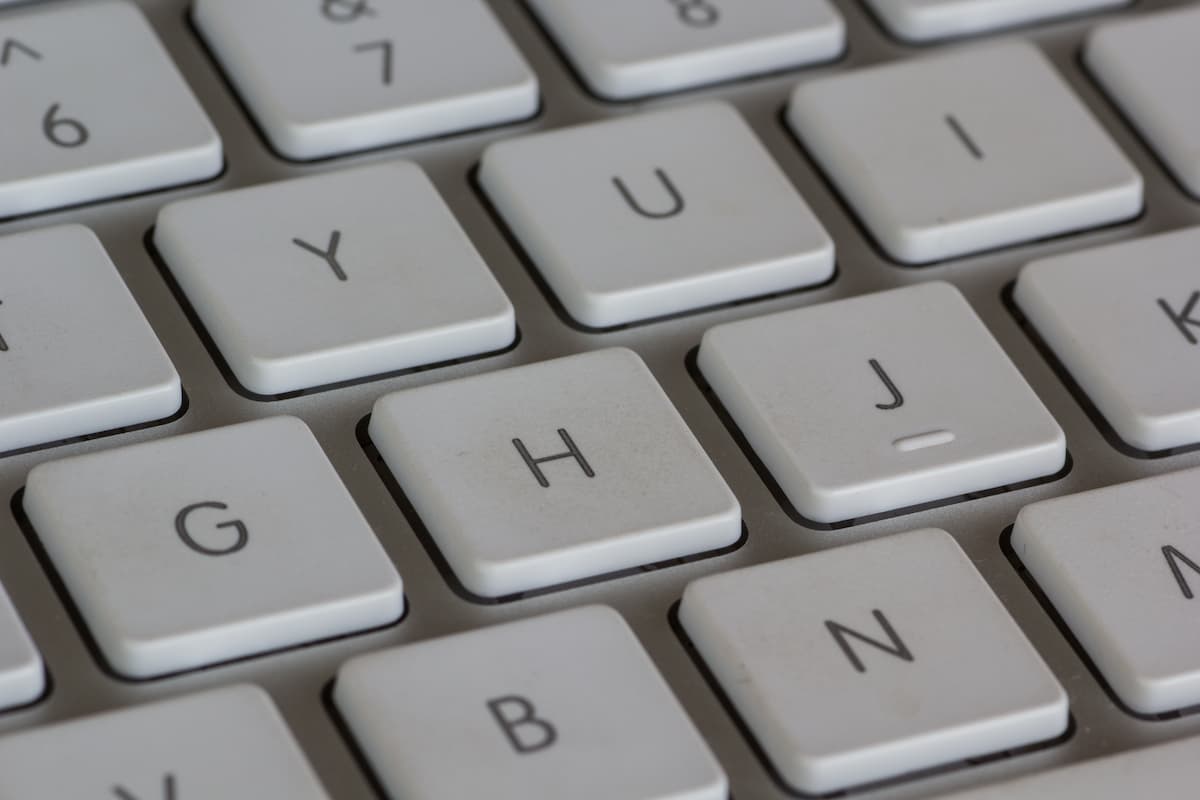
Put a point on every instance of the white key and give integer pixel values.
(333, 277)
(929, 20)
(1165, 770)
(656, 213)
(631, 48)
(77, 355)
(563, 705)
(1122, 567)
(965, 151)
(850, 665)
(93, 108)
(188, 551)
(229, 743)
(572, 468)
(1146, 64)
(22, 674)
(329, 77)
(880, 402)
(1125, 321)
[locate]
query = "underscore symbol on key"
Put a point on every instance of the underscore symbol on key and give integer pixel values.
(121, 793)
(11, 46)
(897, 398)
(346, 10)
(964, 137)
(328, 255)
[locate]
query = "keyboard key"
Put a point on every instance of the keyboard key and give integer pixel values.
(630, 48)
(22, 674)
(333, 277)
(894, 399)
(1123, 318)
(326, 78)
(563, 705)
(654, 214)
(1146, 65)
(93, 108)
(1164, 770)
(1122, 567)
(188, 551)
(77, 355)
(938, 156)
(572, 468)
(929, 20)
(229, 743)
(848, 670)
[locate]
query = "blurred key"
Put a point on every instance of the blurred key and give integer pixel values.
(929, 20)
(77, 355)
(631, 48)
(93, 107)
(1165, 770)
(1148, 66)
(938, 157)
(227, 743)
(333, 76)
(1122, 567)
(22, 675)
(1124, 319)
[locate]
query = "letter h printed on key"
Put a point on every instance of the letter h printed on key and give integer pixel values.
(572, 451)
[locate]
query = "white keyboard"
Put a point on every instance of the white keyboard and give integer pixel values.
(628, 400)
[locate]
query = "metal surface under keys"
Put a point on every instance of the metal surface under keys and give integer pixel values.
(298, 679)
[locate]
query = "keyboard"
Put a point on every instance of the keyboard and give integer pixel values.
(643, 399)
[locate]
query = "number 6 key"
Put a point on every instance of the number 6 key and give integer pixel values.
(93, 116)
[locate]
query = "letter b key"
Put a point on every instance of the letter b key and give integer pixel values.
(562, 705)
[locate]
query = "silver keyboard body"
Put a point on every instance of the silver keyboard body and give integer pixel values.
(298, 679)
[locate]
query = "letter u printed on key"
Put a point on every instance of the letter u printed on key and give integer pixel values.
(674, 209)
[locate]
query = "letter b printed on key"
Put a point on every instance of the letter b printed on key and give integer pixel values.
(525, 731)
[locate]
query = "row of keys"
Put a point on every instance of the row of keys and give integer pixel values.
(595, 700)
(982, 180)
(289, 312)
(844, 669)
(564, 489)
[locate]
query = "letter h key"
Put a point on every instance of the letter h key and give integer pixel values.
(572, 451)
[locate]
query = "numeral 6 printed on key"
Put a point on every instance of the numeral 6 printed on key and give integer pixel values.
(63, 131)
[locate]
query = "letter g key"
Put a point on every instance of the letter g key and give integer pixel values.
(181, 527)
